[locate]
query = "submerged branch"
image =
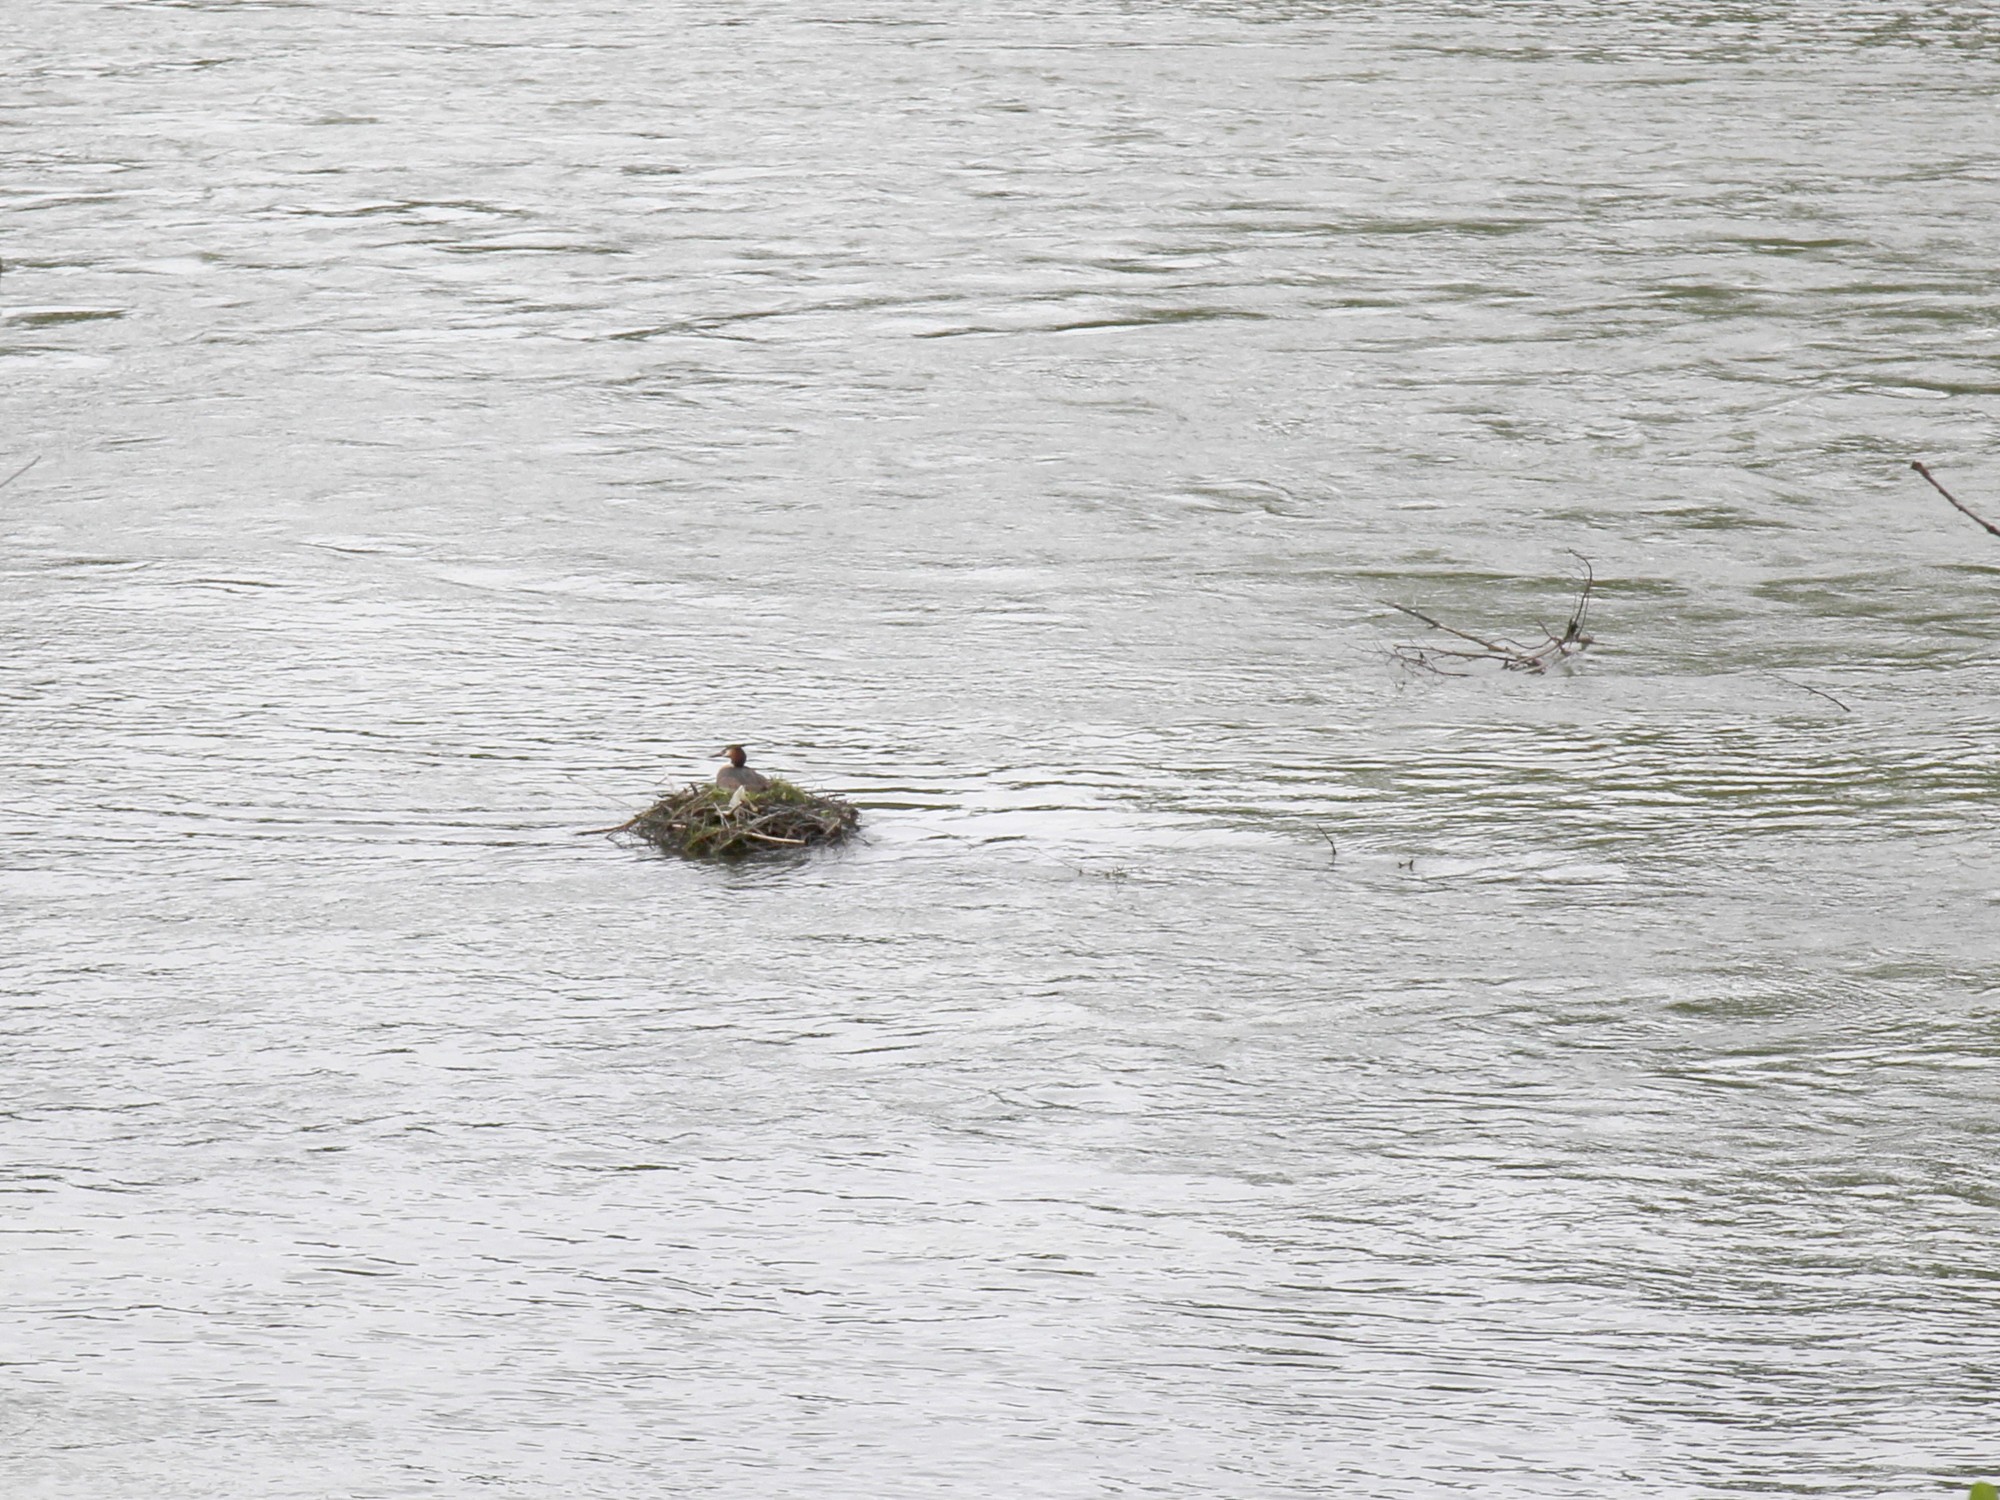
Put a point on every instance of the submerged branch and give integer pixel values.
(1489, 648)
(1957, 504)
(1576, 618)
(1510, 655)
(1816, 692)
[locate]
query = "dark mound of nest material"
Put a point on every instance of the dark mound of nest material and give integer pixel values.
(702, 820)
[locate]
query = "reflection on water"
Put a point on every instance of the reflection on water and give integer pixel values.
(452, 427)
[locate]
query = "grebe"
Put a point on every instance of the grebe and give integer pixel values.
(737, 777)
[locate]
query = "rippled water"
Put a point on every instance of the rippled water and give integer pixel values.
(450, 425)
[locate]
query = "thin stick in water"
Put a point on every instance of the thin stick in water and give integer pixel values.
(1808, 687)
(1493, 648)
(1957, 504)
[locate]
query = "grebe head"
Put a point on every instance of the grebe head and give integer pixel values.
(733, 754)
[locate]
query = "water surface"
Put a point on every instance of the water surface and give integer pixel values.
(451, 426)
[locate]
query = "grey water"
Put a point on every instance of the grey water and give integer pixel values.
(1237, 1062)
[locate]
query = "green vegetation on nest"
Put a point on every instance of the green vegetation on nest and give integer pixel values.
(703, 819)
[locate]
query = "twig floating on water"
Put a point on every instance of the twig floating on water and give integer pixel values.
(1488, 648)
(1514, 658)
(1808, 687)
(20, 471)
(1957, 504)
(1574, 633)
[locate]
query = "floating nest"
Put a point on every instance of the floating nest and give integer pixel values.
(703, 820)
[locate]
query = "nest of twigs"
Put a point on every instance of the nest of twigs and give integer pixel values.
(704, 820)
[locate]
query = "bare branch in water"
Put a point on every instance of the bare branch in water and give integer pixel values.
(20, 471)
(1957, 504)
(1808, 687)
(1575, 630)
(1510, 655)
(1490, 648)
